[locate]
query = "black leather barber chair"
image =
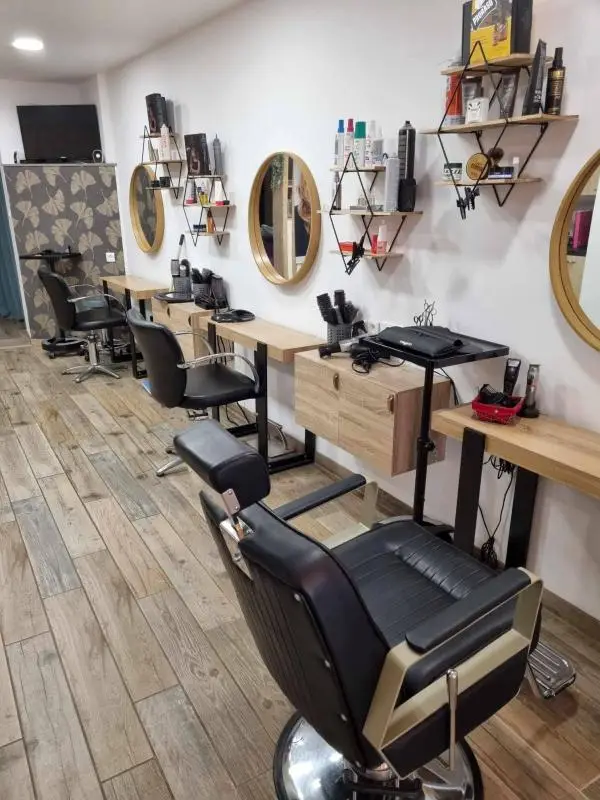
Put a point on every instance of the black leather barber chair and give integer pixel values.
(392, 646)
(193, 385)
(87, 314)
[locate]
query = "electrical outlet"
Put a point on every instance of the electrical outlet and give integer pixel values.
(110, 257)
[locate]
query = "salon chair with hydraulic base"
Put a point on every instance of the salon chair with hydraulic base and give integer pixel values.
(197, 385)
(85, 314)
(392, 646)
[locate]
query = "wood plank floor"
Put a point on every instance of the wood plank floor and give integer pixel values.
(126, 669)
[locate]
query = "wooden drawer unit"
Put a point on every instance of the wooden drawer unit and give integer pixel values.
(375, 417)
(180, 317)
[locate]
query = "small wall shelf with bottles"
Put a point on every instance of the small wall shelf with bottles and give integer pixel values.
(207, 193)
(483, 170)
(162, 150)
(361, 155)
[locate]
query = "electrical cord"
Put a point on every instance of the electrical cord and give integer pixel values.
(488, 550)
(363, 362)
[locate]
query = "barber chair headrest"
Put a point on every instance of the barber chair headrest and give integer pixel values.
(225, 463)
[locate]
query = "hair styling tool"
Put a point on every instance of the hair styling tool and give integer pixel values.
(530, 409)
(511, 375)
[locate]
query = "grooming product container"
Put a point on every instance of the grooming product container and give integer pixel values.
(360, 144)
(348, 141)
(217, 156)
(339, 146)
(392, 182)
(556, 84)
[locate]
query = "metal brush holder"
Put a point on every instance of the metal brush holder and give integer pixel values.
(338, 333)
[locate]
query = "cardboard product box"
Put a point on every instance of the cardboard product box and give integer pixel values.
(502, 27)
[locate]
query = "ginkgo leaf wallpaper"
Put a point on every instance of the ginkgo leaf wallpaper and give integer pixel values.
(57, 206)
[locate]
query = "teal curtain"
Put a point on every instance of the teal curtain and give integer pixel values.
(10, 297)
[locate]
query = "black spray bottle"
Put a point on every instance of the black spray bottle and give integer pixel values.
(556, 84)
(407, 190)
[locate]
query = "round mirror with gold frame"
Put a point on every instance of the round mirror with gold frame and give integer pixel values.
(575, 254)
(283, 219)
(146, 210)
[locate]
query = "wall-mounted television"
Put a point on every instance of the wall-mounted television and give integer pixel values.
(59, 133)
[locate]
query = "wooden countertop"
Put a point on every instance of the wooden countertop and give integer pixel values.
(395, 379)
(140, 288)
(282, 342)
(547, 446)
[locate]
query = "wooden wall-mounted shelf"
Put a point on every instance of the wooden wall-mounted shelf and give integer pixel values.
(209, 208)
(507, 64)
(473, 127)
(479, 64)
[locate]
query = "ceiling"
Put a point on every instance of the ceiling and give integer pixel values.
(83, 37)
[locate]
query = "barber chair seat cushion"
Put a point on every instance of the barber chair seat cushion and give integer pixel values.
(405, 575)
(216, 385)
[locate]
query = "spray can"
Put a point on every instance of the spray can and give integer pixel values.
(218, 156)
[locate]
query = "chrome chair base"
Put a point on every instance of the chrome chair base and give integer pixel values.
(305, 766)
(84, 371)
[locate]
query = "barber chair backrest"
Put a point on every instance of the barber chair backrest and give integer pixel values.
(59, 292)
(162, 354)
(310, 626)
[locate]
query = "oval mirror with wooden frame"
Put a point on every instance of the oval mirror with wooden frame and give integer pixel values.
(146, 210)
(575, 254)
(284, 223)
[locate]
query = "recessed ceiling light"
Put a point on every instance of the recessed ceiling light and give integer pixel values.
(28, 43)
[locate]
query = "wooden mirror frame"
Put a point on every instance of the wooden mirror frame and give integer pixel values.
(134, 215)
(559, 268)
(256, 243)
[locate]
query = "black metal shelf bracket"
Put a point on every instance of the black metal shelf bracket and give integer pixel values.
(467, 202)
(156, 162)
(196, 234)
(350, 264)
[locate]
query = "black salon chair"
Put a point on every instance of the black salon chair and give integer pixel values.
(86, 314)
(193, 385)
(392, 646)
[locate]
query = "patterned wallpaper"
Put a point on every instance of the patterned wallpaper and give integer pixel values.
(56, 206)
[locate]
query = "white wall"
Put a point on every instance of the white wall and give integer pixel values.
(22, 93)
(277, 75)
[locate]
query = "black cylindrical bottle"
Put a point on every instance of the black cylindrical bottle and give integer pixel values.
(406, 150)
(407, 189)
(556, 84)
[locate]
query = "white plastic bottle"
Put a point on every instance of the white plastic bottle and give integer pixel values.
(371, 134)
(382, 239)
(164, 144)
(349, 143)
(339, 146)
(392, 182)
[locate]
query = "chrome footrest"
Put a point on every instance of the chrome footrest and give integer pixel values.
(552, 672)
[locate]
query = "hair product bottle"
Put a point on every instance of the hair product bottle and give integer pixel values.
(348, 141)
(339, 146)
(336, 196)
(371, 134)
(407, 187)
(392, 181)
(360, 144)
(556, 84)
(382, 239)
(218, 156)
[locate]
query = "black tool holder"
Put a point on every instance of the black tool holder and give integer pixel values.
(472, 192)
(61, 344)
(352, 168)
(472, 350)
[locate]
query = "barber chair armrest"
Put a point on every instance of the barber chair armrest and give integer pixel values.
(214, 357)
(111, 300)
(451, 621)
(387, 721)
(319, 497)
(202, 338)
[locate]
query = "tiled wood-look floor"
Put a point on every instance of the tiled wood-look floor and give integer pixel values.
(126, 670)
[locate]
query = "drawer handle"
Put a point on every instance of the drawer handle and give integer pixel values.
(190, 321)
(336, 382)
(391, 403)
(168, 311)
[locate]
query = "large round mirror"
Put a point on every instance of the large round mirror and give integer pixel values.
(283, 219)
(146, 210)
(575, 254)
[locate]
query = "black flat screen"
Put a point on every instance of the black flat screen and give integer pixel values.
(59, 133)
